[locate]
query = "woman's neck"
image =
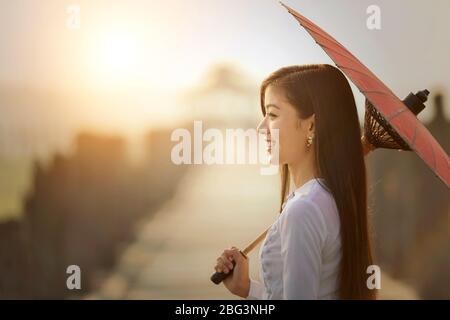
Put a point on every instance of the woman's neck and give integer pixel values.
(301, 172)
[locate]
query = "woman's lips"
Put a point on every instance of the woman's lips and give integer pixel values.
(269, 146)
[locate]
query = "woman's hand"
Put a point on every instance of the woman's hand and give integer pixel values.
(238, 283)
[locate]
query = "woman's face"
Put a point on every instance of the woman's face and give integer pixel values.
(292, 131)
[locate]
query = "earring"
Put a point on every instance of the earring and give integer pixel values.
(309, 141)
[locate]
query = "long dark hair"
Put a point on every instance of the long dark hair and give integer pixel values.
(324, 91)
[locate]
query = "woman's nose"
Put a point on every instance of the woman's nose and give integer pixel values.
(262, 127)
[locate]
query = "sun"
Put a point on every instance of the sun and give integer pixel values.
(119, 53)
(114, 58)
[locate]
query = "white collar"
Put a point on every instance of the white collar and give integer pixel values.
(304, 188)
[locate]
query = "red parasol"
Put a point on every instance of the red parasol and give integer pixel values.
(391, 109)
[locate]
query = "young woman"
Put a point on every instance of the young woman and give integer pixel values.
(319, 247)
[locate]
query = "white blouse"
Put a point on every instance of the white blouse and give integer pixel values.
(300, 256)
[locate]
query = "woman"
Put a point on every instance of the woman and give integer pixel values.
(319, 247)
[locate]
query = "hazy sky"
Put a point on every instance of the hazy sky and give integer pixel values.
(170, 43)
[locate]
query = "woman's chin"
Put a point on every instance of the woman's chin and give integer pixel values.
(273, 160)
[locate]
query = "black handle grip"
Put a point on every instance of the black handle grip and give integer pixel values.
(218, 277)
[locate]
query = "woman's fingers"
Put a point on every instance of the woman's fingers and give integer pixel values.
(222, 265)
(236, 255)
(225, 261)
(225, 266)
(227, 258)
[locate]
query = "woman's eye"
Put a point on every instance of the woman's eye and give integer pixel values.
(271, 115)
